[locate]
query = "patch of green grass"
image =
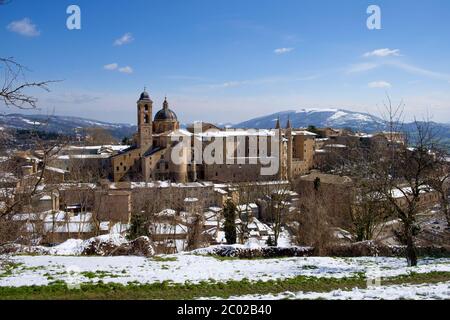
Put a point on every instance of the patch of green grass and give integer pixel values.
(189, 290)
(309, 267)
(8, 268)
(98, 274)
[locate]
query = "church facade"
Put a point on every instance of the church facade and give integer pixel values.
(159, 138)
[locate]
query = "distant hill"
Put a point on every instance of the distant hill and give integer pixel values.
(63, 124)
(336, 118)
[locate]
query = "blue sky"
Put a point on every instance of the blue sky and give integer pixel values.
(227, 61)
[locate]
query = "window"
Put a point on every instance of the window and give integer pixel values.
(125, 168)
(117, 169)
(146, 107)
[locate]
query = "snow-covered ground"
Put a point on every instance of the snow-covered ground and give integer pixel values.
(440, 291)
(42, 270)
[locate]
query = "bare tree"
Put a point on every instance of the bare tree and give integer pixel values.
(248, 195)
(439, 180)
(278, 206)
(196, 237)
(403, 172)
(394, 173)
(368, 212)
(99, 136)
(14, 87)
(313, 220)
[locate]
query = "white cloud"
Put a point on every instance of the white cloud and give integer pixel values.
(386, 52)
(125, 39)
(24, 27)
(112, 66)
(115, 67)
(252, 82)
(412, 69)
(362, 67)
(126, 69)
(283, 50)
(421, 71)
(379, 84)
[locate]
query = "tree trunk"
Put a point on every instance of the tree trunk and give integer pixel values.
(445, 208)
(411, 254)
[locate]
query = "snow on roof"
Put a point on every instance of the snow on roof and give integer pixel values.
(64, 186)
(335, 146)
(235, 133)
(303, 133)
(180, 132)
(246, 207)
(112, 147)
(167, 213)
(84, 156)
(56, 170)
(220, 185)
(221, 191)
(25, 217)
(400, 193)
(166, 184)
(364, 135)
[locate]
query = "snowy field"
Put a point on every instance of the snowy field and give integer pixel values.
(440, 291)
(180, 268)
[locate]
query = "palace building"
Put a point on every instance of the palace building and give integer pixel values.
(160, 151)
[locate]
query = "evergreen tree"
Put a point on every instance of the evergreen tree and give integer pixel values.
(317, 183)
(270, 242)
(138, 227)
(314, 129)
(126, 141)
(229, 212)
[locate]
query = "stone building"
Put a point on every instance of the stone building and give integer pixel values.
(151, 157)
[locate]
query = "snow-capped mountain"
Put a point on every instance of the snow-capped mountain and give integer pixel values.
(62, 124)
(336, 118)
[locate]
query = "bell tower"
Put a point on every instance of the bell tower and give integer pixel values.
(145, 130)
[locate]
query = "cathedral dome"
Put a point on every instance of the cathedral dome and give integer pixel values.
(165, 114)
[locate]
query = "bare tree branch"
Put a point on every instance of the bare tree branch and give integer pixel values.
(13, 91)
